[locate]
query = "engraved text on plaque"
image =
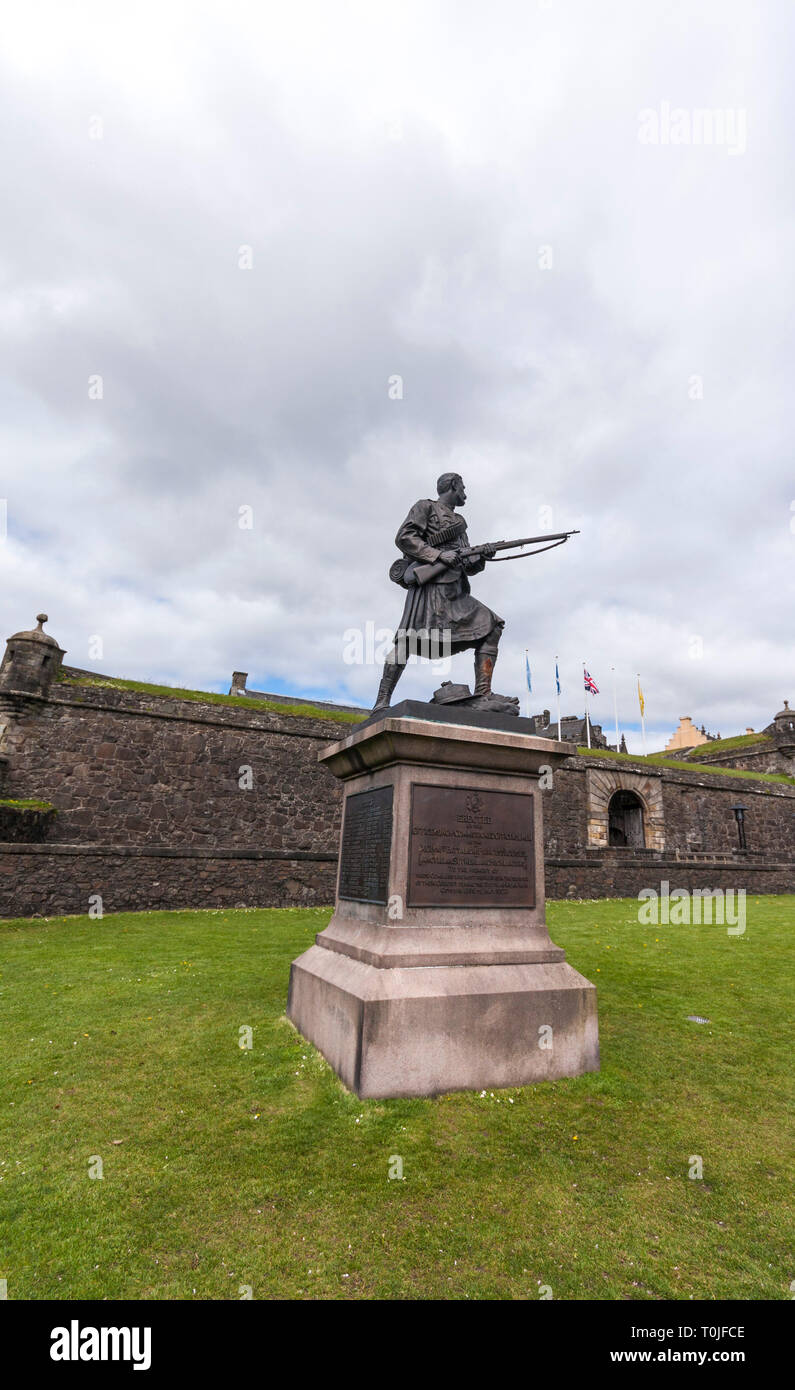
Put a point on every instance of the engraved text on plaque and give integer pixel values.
(366, 841)
(471, 848)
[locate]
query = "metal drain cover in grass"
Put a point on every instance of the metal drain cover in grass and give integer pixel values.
(696, 1018)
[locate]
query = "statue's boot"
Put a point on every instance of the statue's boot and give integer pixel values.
(392, 673)
(484, 665)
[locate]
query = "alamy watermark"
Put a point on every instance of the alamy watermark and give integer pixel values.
(76, 1343)
(683, 908)
(372, 646)
(699, 125)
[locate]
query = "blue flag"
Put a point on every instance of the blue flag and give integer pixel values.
(527, 667)
(557, 677)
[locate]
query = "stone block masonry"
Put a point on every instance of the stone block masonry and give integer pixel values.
(50, 880)
(166, 802)
(689, 829)
(132, 768)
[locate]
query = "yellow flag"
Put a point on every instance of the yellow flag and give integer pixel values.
(641, 700)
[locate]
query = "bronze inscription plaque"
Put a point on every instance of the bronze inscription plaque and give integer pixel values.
(366, 842)
(471, 848)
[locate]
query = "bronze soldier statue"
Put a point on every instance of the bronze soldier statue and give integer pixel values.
(435, 534)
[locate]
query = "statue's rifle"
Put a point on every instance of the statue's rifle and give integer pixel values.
(416, 573)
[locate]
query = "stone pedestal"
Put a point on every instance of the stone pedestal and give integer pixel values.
(436, 972)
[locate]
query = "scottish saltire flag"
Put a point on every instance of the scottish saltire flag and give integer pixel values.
(590, 683)
(557, 677)
(527, 668)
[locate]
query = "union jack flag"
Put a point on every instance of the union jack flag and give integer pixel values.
(590, 683)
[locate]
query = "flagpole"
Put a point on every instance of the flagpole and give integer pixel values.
(557, 687)
(587, 719)
(642, 717)
(526, 669)
(615, 703)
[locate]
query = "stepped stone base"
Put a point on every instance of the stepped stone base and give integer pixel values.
(423, 1031)
(436, 972)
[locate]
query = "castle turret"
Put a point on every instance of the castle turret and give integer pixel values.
(783, 727)
(785, 719)
(31, 661)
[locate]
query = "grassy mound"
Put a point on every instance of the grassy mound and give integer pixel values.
(209, 697)
(661, 760)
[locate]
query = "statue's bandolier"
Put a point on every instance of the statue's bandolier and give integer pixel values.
(447, 534)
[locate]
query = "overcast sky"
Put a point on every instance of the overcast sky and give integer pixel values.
(246, 218)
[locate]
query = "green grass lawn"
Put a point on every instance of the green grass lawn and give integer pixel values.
(226, 1167)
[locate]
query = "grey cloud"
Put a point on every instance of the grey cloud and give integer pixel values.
(564, 387)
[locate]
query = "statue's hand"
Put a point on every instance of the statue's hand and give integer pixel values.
(449, 557)
(488, 550)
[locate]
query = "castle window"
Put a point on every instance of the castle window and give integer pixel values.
(625, 821)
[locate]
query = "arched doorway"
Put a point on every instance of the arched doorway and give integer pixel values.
(625, 821)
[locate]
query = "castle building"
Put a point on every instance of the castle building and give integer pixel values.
(146, 799)
(686, 735)
(572, 729)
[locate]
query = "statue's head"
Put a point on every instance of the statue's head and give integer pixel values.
(454, 484)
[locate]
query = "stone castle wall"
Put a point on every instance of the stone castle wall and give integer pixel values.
(153, 806)
(153, 811)
(625, 873)
(758, 758)
(691, 831)
(50, 880)
(133, 768)
(699, 816)
(565, 812)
